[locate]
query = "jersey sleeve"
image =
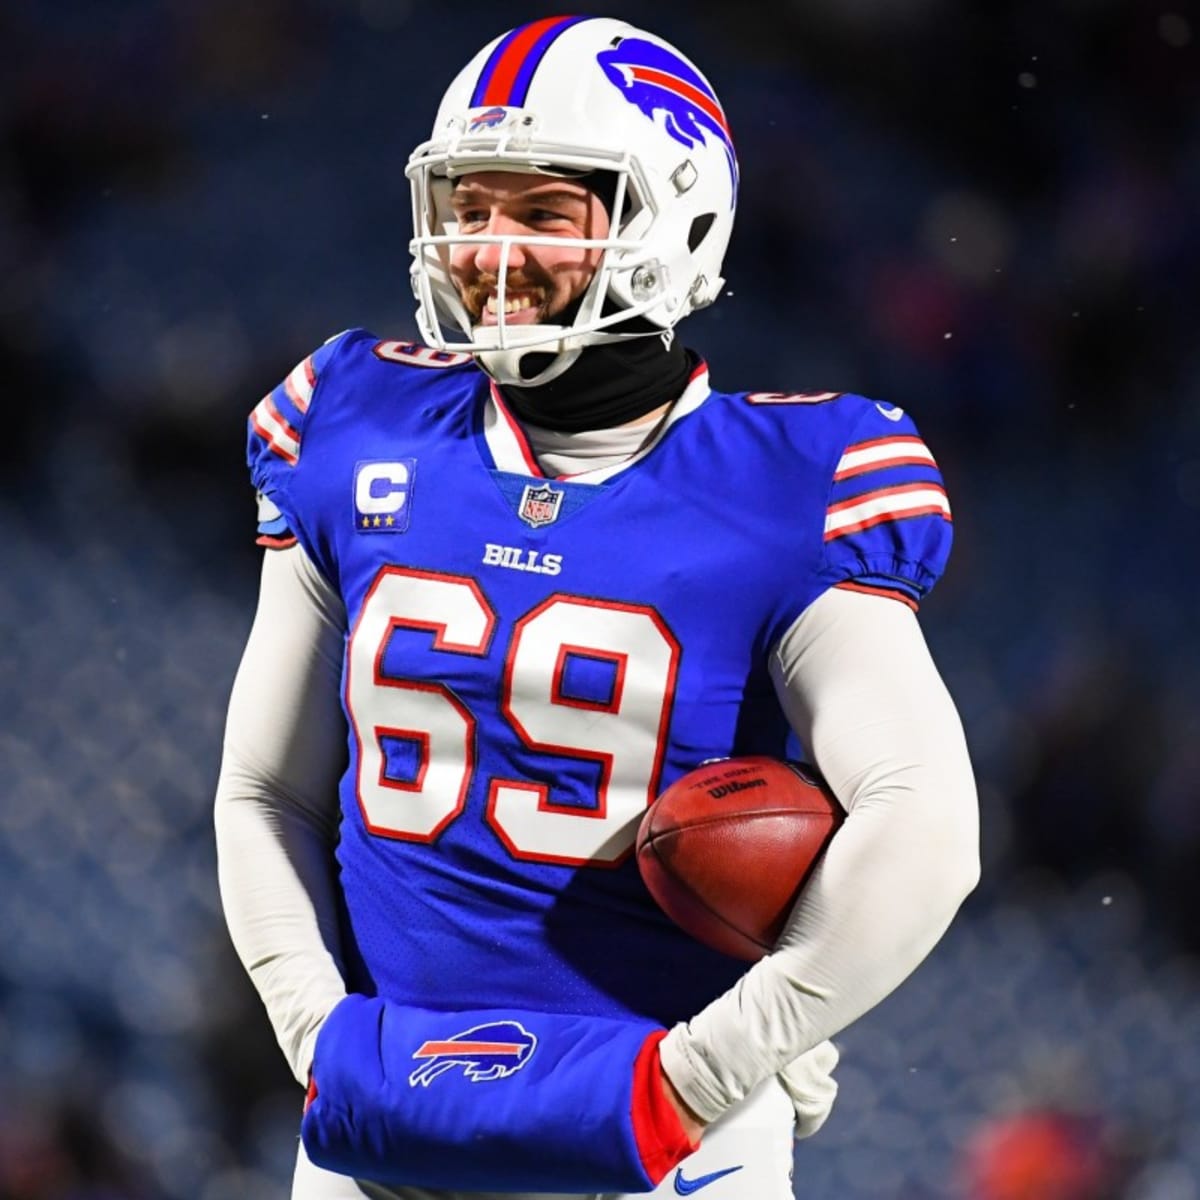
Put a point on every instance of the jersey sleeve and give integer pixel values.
(888, 526)
(275, 441)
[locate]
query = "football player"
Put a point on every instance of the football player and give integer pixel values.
(518, 579)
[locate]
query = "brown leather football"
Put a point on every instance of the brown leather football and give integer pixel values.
(726, 849)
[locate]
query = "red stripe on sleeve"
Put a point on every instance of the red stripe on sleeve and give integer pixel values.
(661, 1140)
(276, 543)
(850, 586)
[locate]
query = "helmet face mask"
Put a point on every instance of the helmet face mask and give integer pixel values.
(569, 97)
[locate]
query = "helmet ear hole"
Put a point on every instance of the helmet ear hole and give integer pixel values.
(699, 230)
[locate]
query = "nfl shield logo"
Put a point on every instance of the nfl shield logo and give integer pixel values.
(539, 505)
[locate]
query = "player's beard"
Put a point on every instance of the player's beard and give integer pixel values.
(475, 294)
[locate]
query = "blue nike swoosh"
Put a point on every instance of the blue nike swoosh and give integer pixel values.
(685, 1187)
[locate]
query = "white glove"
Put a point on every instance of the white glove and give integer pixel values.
(809, 1081)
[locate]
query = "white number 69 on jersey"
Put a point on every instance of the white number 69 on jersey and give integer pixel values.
(625, 735)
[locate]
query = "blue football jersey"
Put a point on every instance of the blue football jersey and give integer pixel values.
(530, 661)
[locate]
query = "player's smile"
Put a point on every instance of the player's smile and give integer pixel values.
(518, 306)
(525, 299)
(541, 280)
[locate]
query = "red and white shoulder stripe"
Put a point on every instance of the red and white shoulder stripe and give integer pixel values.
(300, 383)
(277, 416)
(879, 454)
(893, 503)
(274, 429)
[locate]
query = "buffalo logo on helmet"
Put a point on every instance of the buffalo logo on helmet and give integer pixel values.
(654, 79)
(492, 1051)
(490, 118)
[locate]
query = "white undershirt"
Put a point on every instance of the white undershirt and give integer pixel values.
(858, 685)
(561, 454)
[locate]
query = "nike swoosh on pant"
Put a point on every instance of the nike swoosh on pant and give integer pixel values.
(685, 1187)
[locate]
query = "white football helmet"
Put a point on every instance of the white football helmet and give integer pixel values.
(567, 96)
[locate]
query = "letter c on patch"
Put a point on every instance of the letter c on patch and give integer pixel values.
(381, 487)
(382, 492)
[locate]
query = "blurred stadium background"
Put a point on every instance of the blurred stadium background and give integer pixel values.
(984, 213)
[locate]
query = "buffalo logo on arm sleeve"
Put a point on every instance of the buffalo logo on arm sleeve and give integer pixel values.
(491, 1051)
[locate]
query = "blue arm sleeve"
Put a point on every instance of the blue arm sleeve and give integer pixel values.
(493, 1100)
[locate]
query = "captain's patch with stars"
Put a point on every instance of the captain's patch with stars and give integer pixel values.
(383, 494)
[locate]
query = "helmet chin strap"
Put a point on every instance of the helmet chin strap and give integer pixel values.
(527, 367)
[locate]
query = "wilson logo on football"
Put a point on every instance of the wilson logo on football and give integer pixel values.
(484, 1052)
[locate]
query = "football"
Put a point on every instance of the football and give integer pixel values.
(727, 847)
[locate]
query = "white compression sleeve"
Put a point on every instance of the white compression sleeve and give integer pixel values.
(861, 691)
(276, 804)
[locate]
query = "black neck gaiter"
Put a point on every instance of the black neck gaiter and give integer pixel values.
(606, 386)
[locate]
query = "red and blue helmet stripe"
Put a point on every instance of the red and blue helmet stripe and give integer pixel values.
(509, 70)
(648, 75)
